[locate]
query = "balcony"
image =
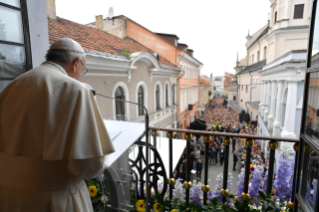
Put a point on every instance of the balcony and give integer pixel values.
(147, 168)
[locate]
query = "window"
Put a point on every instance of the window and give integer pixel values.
(299, 8)
(258, 56)
(166, 95)
(252, 60)
(140, 100)
(256, 80)
(119, 105)
(158, 98)
(234, 98)
(246, 88)
(15, 51)
(275, 19)
(265, 52)
(173, 94)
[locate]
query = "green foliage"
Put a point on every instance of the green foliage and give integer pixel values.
(269, 205)
(126, 53)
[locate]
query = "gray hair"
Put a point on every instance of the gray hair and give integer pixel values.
(63, 57)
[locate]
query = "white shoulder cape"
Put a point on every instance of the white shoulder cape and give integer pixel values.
(45, 113)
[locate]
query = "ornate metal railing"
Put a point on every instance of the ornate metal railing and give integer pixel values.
(249, 142)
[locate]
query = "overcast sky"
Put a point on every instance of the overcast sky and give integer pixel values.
(215, 30)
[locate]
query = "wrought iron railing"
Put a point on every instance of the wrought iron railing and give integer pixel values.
(249, 142)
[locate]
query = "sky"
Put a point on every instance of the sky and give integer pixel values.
(215, 30)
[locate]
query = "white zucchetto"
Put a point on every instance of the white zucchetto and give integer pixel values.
(67, 44)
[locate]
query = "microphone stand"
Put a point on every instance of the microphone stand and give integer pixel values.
(148, 192)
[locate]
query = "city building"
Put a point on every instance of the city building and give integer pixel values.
(168, 47)
(124, 69)
(205, 93)
(283, 75)
(218, 86)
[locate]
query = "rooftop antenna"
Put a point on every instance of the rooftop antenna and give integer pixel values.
(111, 14)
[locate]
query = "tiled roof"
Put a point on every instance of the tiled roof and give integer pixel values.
(260, 36)
(253, 67)
(202, 81)
(96, 40)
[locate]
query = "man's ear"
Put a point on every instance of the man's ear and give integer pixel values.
(75, 64)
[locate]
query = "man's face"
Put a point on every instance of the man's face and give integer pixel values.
(78, 67)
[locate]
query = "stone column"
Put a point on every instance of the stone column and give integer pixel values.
(286, 7)
(277, 123)
(267, 102)
(289, 125)
(264, 98)
(271, 117)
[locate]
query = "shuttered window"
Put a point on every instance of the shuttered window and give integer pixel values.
(299, 11)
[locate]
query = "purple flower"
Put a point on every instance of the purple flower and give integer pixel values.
(283, 186)
(195, 193)
(256, 184)
(240, 183)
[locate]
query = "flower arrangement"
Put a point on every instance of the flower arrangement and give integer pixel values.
(99, 193)
(159, 204)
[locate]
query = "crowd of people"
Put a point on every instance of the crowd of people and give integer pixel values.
(220, 118)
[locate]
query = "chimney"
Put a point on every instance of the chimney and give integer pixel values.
(99, 22)
(51, 11)
(190, 52)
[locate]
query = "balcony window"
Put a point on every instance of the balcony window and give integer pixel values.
(309, 178)
(158, 98)
(140, 100)
(15, 54)
(298, 13)
(119, 105)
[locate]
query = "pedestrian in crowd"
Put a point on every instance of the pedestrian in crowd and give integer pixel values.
(234, 142)
(181, 174)
(217, 151)
(222, 156)
(199, 167)
(234, 160)
(192, 159)
(197, 154)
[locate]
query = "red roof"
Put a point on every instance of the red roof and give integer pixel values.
(96, 40)
(202, 81)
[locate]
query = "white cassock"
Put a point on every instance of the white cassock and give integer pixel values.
(52, 137)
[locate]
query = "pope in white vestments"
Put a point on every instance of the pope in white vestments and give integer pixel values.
(52, 136)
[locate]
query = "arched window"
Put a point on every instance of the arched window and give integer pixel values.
(158, 98)
(234, 98)
(119, 105)
(258, 56)
(140, 100)
(166, 95)
(265, 52)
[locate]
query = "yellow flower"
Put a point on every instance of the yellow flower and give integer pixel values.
(233, 199)
(92, 191)
(272, 197)
(157, 207)
(272, 191)
(140, 206)
(174, 210)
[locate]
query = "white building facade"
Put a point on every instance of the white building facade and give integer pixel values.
(282, 82)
